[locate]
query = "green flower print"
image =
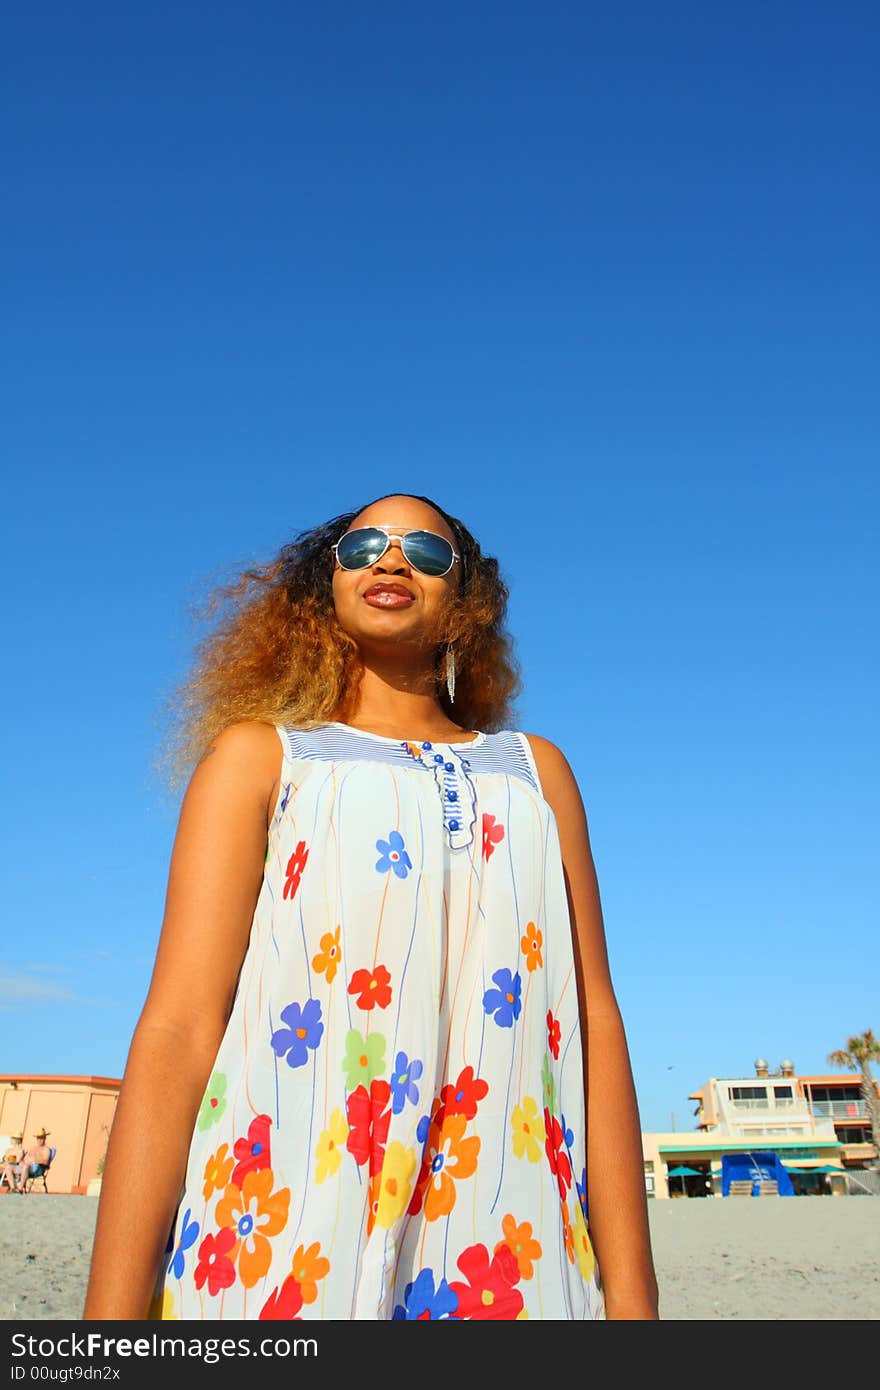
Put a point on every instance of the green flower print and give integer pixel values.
(213, 1102)
(364, 1058)
(549, 1085)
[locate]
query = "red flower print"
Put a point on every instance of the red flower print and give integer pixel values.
(462, 1098)
(369, 1117)
(252, 1153)
(554, 1034)
(493, 834)
(283, 1304)
(374, 987)
(429, 1133)
(557, 1157)
(294, 871)
(214, 1264)
(489, 1292)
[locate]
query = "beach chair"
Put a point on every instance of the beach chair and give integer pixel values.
(740, 1187)
(37, 1173)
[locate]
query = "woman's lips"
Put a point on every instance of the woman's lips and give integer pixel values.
(388, 598)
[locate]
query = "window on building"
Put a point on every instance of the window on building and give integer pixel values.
(752, 1093)
(854, 1134)
(649, 1179)
(783, 1092)
(845, 1092)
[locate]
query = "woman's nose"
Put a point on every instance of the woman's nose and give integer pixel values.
(393, 561)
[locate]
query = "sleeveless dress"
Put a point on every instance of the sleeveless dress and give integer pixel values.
(394, 1125)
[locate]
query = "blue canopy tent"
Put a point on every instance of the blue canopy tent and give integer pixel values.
(755, 1166)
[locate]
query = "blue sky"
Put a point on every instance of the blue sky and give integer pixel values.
(603, 281)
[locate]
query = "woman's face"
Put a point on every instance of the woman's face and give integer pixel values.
(390, 601)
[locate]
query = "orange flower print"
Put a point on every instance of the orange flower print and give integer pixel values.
(308, 1267)
(448, 1158)
(373, 986)
(519, 1242)
(254, 1212)
(294, 871)
(493, 834)
(567, 1232)
(530, 945)
(217, 1171)
(326, 962)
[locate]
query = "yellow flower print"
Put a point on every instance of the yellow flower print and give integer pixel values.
(583, 1246)
(217, 1172)
(393, 1186)
(331, 1146)
(161, 1307)
(522, 1246)
(326, 962)
(255, 1213)
(308, 1267)
(529, 1134)
(530, 945)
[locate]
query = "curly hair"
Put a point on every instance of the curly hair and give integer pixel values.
(278, 654)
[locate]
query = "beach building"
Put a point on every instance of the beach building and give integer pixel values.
(77, 1112)
(840, 1099)
(755, 1122)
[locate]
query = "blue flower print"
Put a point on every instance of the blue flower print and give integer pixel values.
(423, 1303)
(567, 1134)
(403, 1082)
(393, 855)
(582, 1192)
(189, 1233)
(303, 1031)
(504, 1002)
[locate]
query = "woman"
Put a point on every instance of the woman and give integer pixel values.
(380, 1022)
(9, 1172)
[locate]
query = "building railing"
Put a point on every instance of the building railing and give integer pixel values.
(841, 1109)
(788, 1103)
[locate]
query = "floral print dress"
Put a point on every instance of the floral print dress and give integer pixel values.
(394, 1125)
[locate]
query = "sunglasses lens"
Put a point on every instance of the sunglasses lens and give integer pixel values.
(428, 553)
(358, 549)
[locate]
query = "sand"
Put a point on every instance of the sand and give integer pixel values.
(771, 1258)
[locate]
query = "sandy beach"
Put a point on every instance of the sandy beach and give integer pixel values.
(774, 1259)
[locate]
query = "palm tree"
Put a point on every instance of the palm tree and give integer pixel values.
(860, 1051)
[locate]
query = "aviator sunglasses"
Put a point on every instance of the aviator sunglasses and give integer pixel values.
(425, 550)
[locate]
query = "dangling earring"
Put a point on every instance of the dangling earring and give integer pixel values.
(450, 674)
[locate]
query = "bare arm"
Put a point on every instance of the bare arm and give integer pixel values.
(618, 1209)
(213, 883)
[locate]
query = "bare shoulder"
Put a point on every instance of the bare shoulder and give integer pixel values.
(245, 756)
(247, 741)
(557, 778)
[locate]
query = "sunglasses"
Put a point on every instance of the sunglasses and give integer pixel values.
(424, 550)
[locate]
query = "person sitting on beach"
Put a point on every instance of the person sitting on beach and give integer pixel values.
(11, 1159)
(32, 1159)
